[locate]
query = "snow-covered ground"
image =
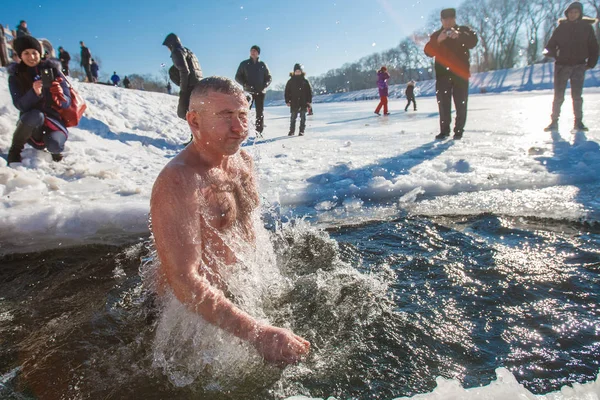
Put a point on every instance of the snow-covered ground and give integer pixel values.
(351, 166)
(534, 77)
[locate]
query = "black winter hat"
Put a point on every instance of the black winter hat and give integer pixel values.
(448, 13)
(576, 5)
(255, 47)
(26, 42)
(298, 66)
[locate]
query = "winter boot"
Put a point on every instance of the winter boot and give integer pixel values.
(377, 113)
(57, 157)
(301, 134)
(291, 133)
(579, 126)
(553, 127)
(14, 155)
(442, 136)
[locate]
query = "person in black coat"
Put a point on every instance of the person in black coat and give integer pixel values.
(450, 46)
(255, 77)
(64, 58)
(574, 46)
(410, 95)
(86, 61)
(298, 97)
(187, 68)
(22, 29)
(40, 123)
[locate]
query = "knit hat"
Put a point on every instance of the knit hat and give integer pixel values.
(577, 5)
(23, 43)
(384, 68)
(297, 67)
(448, 13)
(255, 47)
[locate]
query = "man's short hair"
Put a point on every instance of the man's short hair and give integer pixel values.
(218, 84)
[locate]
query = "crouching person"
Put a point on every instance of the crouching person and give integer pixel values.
(40, 124)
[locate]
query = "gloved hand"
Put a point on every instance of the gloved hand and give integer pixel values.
(58, 96)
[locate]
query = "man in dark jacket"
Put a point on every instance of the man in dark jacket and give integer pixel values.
(298, 96)
(450, 46)
(64, 57)
(126, 82)
(189, 70)
(22, 29)
(575, 48)
(255, 77)
(86, 61)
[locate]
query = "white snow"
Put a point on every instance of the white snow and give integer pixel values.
(351, 166)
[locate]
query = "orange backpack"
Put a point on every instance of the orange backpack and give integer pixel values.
(72, 114)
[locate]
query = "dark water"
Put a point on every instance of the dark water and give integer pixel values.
(461, 297)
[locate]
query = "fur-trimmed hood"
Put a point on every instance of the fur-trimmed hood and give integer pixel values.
(589, 20)
(303, 74)
(12, 68)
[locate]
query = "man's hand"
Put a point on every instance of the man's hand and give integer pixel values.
(453, 34)
(278, 345)
(57, 93)
(442, 36)
(289, 104)
(37, 87)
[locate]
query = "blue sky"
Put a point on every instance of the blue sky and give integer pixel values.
(320, 34)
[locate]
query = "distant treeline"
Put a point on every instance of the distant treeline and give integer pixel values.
(511, 33)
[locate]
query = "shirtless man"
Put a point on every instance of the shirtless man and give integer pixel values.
(201, 209)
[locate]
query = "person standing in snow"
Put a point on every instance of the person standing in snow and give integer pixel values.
(40, 123)
(22, 29)
(574, 46)
(382, 85)
(94, 68)
(450, 46)
(126, 82)
(255, 77)
(410, 95)
(169, 87)
(86, 61)
(115, 79)
(188, 68)
(64, 57)
(298, 97)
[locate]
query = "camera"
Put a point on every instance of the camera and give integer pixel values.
(47, 77)
(449, 32)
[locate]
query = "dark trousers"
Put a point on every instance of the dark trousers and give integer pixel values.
(448, 88)
(31, 129)
(563, 74)
(88, 72)
(65, 69)
(411, 99)
(295, 112)
(258, 99)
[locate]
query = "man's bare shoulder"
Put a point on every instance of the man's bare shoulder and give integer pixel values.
(179, 179)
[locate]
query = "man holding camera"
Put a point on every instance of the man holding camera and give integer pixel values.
(450, 46)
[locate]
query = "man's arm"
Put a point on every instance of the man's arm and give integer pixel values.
(309, 87)
(268, 77)
(240, 76)
(552, 45)
(592, 48)
(288, 92)
(467, 37)
(175, 210)
(184, 72)
(431, 46)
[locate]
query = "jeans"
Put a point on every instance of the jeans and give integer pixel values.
(448, 88)
(562, 74)
(295, 112)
